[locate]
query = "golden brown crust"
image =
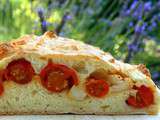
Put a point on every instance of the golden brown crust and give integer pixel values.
(5, 48)
(50, 34)
(49, 44)
(21, 41)
(144, 70)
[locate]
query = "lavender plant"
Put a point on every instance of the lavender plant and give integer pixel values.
(140, 12)
(43, 22)
(144, 21)
(64, 19)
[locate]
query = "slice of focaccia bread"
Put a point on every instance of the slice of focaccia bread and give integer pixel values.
(55, 75)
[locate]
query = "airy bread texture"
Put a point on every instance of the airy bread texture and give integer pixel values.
(33, 98)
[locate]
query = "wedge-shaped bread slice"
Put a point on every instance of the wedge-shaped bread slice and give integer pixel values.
(55, 75)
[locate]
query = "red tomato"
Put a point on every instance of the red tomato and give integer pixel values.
(144, 97)
(2, 75)
(1, 81)
(19, 71)
(97, 88)
(57, 77)
(1, 88)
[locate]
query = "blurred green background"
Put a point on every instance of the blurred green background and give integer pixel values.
(128, 29)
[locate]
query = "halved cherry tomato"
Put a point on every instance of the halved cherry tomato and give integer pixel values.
(1, 81)
(19, 71)
(57, 77)
(97, 88)
(2, 72)
(1, 88)
(144, 97)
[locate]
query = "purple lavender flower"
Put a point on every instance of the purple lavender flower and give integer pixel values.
(144, 26)
(40, 11)
(64, 19)
(155, 75)
(145, 14)
(131, 24)
(134, 4)
(148, 6)
(44, 23)
(135, 14)
(68, 17)
(132, 47)
(158, 3)
(138, 29)
(127, 12)
(154, 24)
(139, 17)
(138, 12)
(124, 8)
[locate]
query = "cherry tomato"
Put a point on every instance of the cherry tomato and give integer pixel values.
(97, 88)
(57, 77)
(1, 81)
(144, 97)
(19, 71)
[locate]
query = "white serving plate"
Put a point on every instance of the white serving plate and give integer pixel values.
(81, 117)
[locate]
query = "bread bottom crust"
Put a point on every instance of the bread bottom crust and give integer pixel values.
(77, 113)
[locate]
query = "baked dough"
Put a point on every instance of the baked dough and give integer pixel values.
(86, 60)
